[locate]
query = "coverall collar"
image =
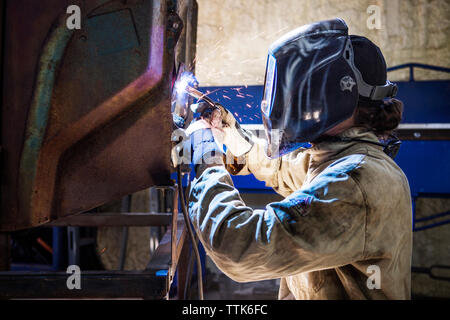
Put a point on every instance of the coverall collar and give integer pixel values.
(329, 149)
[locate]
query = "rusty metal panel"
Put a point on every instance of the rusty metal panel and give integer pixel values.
(86, 113)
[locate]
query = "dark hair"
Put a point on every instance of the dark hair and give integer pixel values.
(382, 117)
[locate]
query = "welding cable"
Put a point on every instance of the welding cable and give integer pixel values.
(189, 271)
(186, 192)
(191, 233)
(187, 281)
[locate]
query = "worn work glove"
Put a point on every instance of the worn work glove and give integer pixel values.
(205, 151)
(226, 129)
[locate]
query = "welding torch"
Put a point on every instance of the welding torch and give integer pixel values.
(200, 95)
(211, 105)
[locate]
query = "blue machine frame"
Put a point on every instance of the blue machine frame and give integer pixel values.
(426, 163)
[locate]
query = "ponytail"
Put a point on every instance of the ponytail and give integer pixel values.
(381, 117)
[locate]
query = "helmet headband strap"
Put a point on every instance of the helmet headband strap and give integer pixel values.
(364, 89)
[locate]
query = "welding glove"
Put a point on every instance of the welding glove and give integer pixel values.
(205, 151)
(227, 131)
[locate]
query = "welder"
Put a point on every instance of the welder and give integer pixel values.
(343, 230)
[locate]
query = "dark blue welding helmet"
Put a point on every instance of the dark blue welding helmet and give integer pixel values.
(311, 85)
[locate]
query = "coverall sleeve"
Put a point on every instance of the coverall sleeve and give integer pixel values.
(317, 227)
(284, 174)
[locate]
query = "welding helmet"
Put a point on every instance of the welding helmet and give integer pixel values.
(311, 85)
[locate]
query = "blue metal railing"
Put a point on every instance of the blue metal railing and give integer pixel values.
(411, 67)
(429, 218)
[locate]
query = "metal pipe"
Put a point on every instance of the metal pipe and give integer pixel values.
(57, 247)
(73, 236)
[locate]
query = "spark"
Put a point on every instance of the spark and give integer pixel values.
(278, 32)
(186, 79)
(210, 92)
(258, 35)
(226, 97)
(248, 106)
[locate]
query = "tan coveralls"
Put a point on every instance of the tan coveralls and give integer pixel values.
(346, 213)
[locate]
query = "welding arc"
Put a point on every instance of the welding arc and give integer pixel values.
(199, 95)
(191, 234)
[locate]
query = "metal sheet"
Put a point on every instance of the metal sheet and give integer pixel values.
(86, 113)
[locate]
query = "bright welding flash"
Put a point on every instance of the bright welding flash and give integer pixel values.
(186, 80)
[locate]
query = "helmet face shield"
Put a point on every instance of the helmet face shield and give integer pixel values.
(271, 70)
(309, 86)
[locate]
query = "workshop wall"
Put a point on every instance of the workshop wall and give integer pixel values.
(234, 35)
